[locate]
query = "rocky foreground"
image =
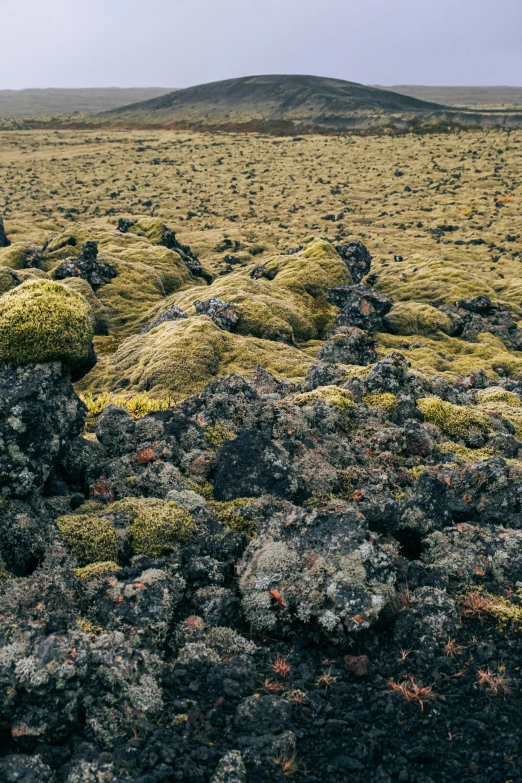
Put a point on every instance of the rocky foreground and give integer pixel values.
(268, 579)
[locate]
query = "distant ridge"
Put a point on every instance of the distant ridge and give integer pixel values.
(33, 102)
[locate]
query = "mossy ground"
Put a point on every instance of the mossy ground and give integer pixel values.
(242, 201)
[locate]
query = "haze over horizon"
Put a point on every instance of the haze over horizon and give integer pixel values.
(438, 42)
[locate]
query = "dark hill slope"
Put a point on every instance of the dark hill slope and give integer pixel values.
(302, 100)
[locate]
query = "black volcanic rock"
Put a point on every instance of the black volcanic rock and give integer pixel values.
(4, 241)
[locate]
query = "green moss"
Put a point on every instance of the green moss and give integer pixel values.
(139, 405)
(97, 570)
(417, 318)
(157, 361)
(385, 401)
(150, 228)
(157, 526)
(15, 256)
(82, 287)
(464, 453)
(435, 280)
(313, 271)
(8, 280)
(42, 321)
(456, 420)
(229, 516)
(145, 273)
(90, 538)
(451, 357)
(417, 471)
(270, 309)
(496, 394)
(341, 399)
(218, 434)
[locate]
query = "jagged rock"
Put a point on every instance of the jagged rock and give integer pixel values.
(86, 266)
(323, 375)
(316, 572)
(39, 414)
(230, 769)
(250, 466)
(222, 314)
(190, 260)
(357, 258)
(348, 345)
(470, 317)
(388, 375)
(430, 619)
(360, 306)
(4, 241)
(171, 313)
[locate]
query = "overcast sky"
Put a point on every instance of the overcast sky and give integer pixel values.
(179, 43)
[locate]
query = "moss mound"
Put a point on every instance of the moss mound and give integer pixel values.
(456, 420)
(41, 321)
(437, 281)
(89, 537)
(313, 271)
(179, 358)
(417, 318)
(157, 526)
(16, 255)
(146, 273)
(341, 399)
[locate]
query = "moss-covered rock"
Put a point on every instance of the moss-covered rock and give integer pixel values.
(341, 399)
(435, 280)
(417, 318)
(386, 401)
(157, 525)
(19, 255)
(455, 420)
(313, 271)
(41, 321)
(89, 537)
(146, 273)
(8, 279)
(157, 362)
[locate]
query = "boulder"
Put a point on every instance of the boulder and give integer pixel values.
(222, 314)
(87, 266)
(39, 414)
(360, 306)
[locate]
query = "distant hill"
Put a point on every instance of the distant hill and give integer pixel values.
(36, 102)
(302, 100)
(462, 96)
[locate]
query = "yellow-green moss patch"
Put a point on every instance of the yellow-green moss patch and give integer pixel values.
(341, 399)
(42, 321)
(457, 420)
(386, 401)
(97, 570)
(417, 318)
(157, 525)
(89, 537)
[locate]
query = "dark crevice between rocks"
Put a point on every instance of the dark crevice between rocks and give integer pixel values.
(410, 543)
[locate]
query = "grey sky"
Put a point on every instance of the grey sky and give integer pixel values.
(178, 43)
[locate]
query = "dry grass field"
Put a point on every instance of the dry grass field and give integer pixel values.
(448, 204)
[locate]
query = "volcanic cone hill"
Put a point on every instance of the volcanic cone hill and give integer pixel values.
(301, 100)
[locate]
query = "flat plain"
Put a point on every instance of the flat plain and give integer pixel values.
(451, 201)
